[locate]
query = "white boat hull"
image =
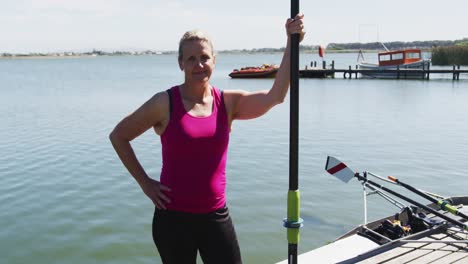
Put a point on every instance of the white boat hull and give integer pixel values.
(374, 70)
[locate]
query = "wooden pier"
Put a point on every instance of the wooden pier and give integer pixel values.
(399, 73)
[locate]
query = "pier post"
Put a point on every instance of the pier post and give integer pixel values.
(428, 70)
(356, 73)
(333, 69)
(324, 64)
(454, 74)
(458, 72)
(398, 72)
(424, 71)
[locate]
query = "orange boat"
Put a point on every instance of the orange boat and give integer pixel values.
(264, 71)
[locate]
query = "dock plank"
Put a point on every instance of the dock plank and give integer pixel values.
(431, 257)
(451, 258)
(439, 250)
(448, 253)
(393, 253)
(415, 252)
(410, 256)
(422, 252)
(461, 261)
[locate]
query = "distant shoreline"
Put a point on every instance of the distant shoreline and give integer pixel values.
(353, 47)
(78, 56)
(67, 55)
(45, 57)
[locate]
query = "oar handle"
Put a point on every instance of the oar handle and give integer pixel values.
(393, 179)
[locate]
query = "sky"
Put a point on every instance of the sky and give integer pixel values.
(132, 25)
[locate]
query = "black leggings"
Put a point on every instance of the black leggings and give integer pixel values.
(178, 236)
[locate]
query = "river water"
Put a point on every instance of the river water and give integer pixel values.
(66, 198)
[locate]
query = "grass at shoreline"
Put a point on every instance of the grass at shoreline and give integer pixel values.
(453, 55)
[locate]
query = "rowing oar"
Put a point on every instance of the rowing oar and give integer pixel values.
(444, 205)
(293, 221)
(342, 172)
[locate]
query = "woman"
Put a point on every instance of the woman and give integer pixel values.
(193, 121)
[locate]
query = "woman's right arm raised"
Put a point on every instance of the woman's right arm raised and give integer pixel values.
(153, 113)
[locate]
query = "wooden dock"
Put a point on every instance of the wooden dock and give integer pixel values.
(400, 73)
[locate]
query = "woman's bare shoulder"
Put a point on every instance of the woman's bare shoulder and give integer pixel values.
(160, 99)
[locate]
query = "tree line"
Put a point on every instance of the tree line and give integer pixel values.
(397, 45)
(425, 45)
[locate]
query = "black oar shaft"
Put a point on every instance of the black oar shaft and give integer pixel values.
(293, 193)
(294, 105)
(451, 220)
(292, 253)
(444, 206)
(411, 188)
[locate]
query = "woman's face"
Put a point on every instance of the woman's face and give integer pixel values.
(197, 61)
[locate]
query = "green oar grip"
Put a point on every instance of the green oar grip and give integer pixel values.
(293, 222)
(448, 207)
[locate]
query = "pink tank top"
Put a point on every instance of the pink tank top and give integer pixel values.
(194, 153)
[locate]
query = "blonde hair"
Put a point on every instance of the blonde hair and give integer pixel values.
(194, 35)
